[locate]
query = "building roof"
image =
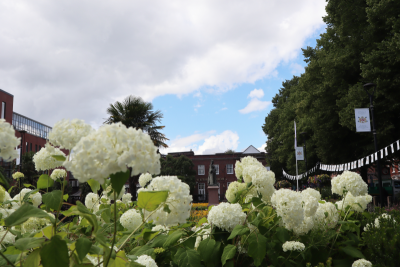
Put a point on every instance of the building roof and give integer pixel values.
(251, 150)
(6, 92)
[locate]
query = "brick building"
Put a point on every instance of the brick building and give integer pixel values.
(33, 134)
(225, 169)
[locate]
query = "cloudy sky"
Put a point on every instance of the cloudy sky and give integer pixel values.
(211, 67)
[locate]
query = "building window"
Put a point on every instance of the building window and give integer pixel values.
(216, 169)
(202, 189)
(201, 170)
(35, 148)
(3, 110)
(229, 168)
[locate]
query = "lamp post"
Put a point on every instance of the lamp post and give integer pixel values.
(367, 88)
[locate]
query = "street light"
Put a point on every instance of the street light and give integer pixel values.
(368, 88)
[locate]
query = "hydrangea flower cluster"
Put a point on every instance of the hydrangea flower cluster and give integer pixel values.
(160, 228)
(310, 201)
(350, 182)
(131, 219)
(144, 179)
(203, 232)
(7, 237)
(112, 149)
(288, 205)
(293, 246)
(146, 261)
(17, 175)
(376, 223)
(127, 198)
(2, 193)
(354, 202)
(92, 201)
(66, 134)
(35, 224)
(58, 174)
(321, 221)
(233, 189)
(43, 159)
(179, 200)
(361, 263)
(226, 216)
(35, 198)
(8, 141)
(242, 164)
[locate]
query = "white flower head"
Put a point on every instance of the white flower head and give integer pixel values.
(293, 246)
(43, 159)
(17, 175)
(243, 168)
(144, 178)
(131, 219)
(66, 134)
(358, 203)
(92, 201)
(127, 198)
(288, 205)
(350, 182)
(7, 237)
(146, 261)
(326, 216)
(58, 174)
(160, 228)
(8, 141)
(233, 189)
(361, 263)
(112, 149)
(226, 216)
(310, 203)
(35, 198)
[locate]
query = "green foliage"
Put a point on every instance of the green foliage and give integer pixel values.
(44, 182)
(118, 180)
(23, 213)
(150, 200)
(55, 253)
(182, 167)
(53, 200)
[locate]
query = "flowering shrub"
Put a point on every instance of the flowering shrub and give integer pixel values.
(260, 226)
(283, 184)
(8, 141)
(319, 180)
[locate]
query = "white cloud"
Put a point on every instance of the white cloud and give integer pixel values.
(256, 93)
(88, 54)
(296, 68)
(205, 143)
(255, 105)
(262, 148)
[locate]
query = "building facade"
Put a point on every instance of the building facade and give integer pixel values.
(225, 169)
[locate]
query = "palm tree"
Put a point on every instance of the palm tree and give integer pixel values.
(135, 112)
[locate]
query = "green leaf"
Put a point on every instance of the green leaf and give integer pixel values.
(257, 248)
(166, 209)
(159, 241)
(229, 253)
(239, 230)
(143, 250)
(23, 213)
(53, 199)
(9, 190)
(28, 243)
(353, 252)
(28, 185)
(94, 185)
(55, 253)
(59, 157)
(33, 259)
(65, 197)
(173, 238)
(81, 210)
(44, 181)
(118, 180)
(209, 251)
(83, 246)
(282, 234)
(185, 257)
(203, 220)
(150, 200)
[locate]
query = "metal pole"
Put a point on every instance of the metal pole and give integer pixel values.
(376, 150)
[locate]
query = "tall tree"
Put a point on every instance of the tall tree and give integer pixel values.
(182, 167)
(135, 112)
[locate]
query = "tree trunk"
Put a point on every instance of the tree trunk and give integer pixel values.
(132, 186)
(364, 173)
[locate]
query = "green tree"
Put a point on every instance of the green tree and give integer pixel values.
(182, 167)
(135, 112)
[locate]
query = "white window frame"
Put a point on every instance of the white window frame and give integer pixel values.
(201, 170)
(201, 191)
(216, 169)
(3, 110)
(227, 169)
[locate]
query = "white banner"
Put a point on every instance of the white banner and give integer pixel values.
(19, 157)
(363, 123)
(299, 153)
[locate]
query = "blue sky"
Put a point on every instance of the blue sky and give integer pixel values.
(211, 67)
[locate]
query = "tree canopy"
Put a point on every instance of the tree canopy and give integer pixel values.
(181, 166)
(360, 45)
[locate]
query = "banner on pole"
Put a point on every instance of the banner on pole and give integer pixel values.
(299, 153)
(363, 123)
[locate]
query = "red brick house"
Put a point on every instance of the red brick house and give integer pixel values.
(225, 169)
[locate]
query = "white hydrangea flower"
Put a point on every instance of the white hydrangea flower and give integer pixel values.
(8, 141)
(292, 246)
(233, 188)
(92, 201)
(7, 237)
(203, 232)
(242, 164)
(160, 228)
(146, 261)
(179, 200)
(361, 263)
(226, 216)
(144, 178)
(264, 182)
(131, 219)
(35, 198)
(354, 202)
(312, 192)
(43, 159)
(58, 174)
(310, 203)
(303, 228)
(376, 223)
(95, 259)
(66, 134)
(127, 198)
(31, 225)
(17, 175)
(320, 219)
(112, 149)
(2, 193)
(288, 205)
(6, 212)
(351, 182)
